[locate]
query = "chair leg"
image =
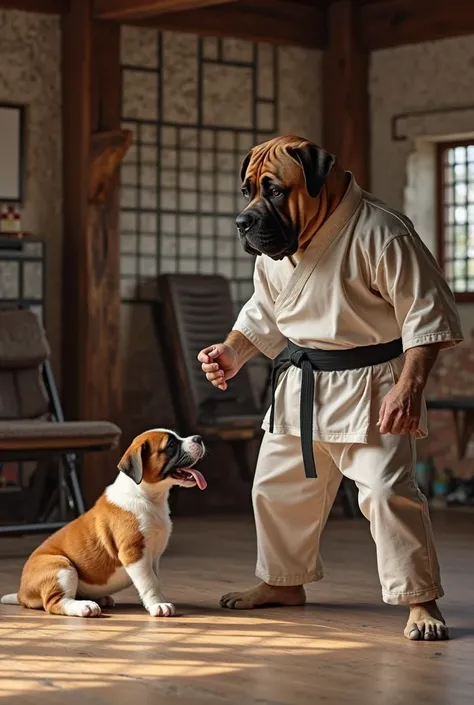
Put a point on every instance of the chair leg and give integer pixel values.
(34, 495)
(71, 462)
(240, 450)
(50, 509)
(349, 499)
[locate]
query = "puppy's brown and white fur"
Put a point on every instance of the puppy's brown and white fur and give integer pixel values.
(120, 540)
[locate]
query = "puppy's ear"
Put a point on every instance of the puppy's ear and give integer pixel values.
(131, 463)
(245, 165)
(316, 164)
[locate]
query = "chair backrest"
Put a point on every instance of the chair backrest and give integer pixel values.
(197, 311)
(23, 350)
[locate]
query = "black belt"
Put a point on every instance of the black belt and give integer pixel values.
(310, 360)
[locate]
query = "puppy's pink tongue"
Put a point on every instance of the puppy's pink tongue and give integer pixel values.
(199, 477)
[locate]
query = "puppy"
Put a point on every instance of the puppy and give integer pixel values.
(120, 540)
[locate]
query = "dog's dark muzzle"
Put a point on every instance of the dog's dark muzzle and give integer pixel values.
(263, 231)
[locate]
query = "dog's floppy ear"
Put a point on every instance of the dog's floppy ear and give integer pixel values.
(132, 461)
(245, 164)
(316, 164)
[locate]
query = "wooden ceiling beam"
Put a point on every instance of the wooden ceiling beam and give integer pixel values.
(130, 10)
(54, 7)
(274, 21)
(396, 22)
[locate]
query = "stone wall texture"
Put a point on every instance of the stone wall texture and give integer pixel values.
(30, 75)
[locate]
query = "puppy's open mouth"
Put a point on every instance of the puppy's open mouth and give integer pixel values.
(190, 475)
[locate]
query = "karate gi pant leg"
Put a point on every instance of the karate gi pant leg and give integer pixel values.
(291, 511)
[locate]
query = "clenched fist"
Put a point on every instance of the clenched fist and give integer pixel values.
(220, 363)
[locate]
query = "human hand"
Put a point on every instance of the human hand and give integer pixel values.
(401, 410)
(219, 363)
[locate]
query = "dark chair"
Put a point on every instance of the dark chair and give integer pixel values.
(197, 310)
(32, 428)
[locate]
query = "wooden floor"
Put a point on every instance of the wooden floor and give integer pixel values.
(346, 646)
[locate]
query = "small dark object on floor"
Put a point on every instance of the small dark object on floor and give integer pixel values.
(460, 492)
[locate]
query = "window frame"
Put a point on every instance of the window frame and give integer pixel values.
(441, 149)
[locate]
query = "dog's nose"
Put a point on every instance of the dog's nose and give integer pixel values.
(244, 222)
(197, 439)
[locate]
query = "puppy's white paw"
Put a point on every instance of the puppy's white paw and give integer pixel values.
(82, 608)
(162, 609)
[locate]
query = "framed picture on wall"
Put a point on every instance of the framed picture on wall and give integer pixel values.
(12, 157)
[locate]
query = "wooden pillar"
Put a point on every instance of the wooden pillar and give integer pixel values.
(93, 145)
(346, 114)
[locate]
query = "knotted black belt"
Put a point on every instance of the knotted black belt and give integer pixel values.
(310, 360)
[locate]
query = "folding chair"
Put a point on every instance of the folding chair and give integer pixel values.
(32, 428)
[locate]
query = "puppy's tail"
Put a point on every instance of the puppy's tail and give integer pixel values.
(10, 599)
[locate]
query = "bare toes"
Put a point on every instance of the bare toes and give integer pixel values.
(412, 632)
(225, 597)
(235, 601)
(430, 632)
(228, 600)
(442, 631)
(426, 631)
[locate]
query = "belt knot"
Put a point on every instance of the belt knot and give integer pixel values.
(297, 357)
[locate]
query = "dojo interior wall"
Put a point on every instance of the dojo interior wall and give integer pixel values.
(434, 77)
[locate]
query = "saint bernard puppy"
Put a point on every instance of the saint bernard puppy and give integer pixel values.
(120, 540)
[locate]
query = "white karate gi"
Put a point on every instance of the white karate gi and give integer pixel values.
(366, 278)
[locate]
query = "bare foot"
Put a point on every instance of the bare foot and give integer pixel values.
(426, 623)
(264, 595)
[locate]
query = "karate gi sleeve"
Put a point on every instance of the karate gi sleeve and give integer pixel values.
(256, 321)
(409, 278)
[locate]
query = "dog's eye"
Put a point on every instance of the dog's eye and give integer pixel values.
(172, 445)
(245, 193)
(275, 192)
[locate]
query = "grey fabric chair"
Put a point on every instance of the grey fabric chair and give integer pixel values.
(32, 427)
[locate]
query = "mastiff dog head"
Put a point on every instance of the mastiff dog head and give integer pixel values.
(281, 180)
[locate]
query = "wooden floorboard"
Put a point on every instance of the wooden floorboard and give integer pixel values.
(345, 646)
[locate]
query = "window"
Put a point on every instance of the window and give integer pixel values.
(456, 216)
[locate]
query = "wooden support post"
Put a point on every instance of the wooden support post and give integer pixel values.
(76, 91)
(345, 92)
(93, 145)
